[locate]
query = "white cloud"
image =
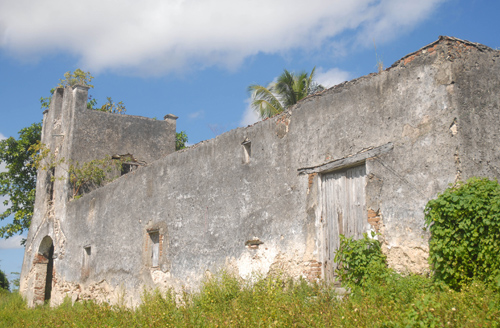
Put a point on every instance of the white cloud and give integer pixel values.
(331, 77)
(2, 137)
(157, 36)
(198, 114)
(12, 242)
(249, 115)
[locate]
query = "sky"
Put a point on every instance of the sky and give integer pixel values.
(196, 58)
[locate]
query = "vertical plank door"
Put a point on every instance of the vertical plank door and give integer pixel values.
(344, 210)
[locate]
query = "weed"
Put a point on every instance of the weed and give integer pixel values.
(226, 301)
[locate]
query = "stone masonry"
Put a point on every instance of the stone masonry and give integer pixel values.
(365, 155)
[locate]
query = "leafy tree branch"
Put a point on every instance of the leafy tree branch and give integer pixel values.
(18, 182)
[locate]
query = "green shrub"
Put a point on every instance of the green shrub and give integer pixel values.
(464, 223)
(360, 260)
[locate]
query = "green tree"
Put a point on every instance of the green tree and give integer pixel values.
(181, 139)
(288, 89)
(4, 282)
(18, 182)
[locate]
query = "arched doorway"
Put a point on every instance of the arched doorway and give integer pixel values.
(44, 265)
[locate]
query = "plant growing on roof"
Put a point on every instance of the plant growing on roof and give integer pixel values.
(79, 77)
(91, 174)
(81, 176)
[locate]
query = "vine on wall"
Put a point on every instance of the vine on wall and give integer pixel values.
(82, 177)
(464, 222)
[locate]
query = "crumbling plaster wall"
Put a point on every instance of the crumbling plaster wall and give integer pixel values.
(210, 205)
(476, 90)
(144, 138)
(74, 132)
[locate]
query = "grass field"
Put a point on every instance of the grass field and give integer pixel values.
(224, 301)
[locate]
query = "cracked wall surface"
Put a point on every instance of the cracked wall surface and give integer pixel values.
(250, 201)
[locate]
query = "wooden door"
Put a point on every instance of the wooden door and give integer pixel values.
(344, 210)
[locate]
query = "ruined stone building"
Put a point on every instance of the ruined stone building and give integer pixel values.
(365, 155)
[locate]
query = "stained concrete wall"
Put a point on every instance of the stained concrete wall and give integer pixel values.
(211, 203)
(74, 134)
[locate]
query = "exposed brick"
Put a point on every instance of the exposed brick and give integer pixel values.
(374, 219)
(372, 213)
(314, 270)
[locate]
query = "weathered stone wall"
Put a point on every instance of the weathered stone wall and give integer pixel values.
(76, 134)
(250, 200)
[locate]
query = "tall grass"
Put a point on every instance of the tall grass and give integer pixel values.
(224, 301)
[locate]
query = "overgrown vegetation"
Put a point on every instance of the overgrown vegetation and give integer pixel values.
(79, 77)
(92, 174)
(81, 176)
(224, 301)
(464, 222)
(379, 297)
(361, 261)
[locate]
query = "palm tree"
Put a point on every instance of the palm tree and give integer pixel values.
(288, 89)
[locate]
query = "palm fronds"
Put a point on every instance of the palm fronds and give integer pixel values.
(288, 89)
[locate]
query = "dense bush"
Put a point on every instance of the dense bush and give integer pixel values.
(464, 222)
(360, 261)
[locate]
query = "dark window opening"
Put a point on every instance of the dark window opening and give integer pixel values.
(155, 248)
(44, 267)
(247, 151)
(87, 252)
(50, 269)
(128, 167)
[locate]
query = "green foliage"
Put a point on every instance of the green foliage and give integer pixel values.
(19, 181)
(464, 223)
(225, 301)
(92, 174)
(285, 92)
(108, 107)
(4, 282)
(45, 101)
(181, 139)
(78, 77)
(82, 177)
(360, 261)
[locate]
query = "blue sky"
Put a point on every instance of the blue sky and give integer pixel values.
(196, 58)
